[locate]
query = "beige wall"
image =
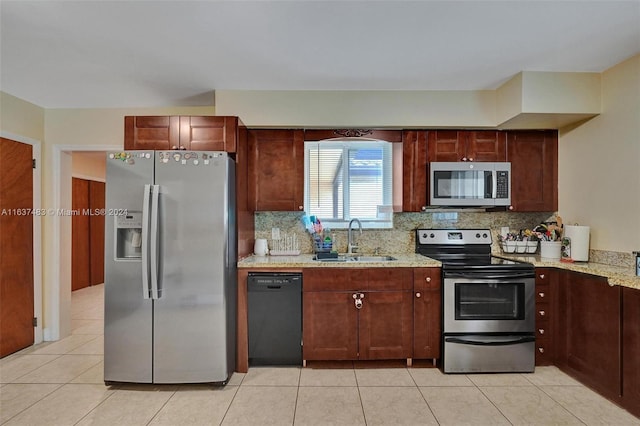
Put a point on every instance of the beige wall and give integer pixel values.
(89, 165)
(21, 117)
(599, 164)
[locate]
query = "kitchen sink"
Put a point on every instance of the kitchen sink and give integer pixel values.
(351, 258)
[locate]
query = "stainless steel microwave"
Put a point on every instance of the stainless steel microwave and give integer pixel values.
(470, 184)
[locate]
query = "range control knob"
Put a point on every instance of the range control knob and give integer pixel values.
(478, 235)
(432, 235)
(484, 235)
(424, 235)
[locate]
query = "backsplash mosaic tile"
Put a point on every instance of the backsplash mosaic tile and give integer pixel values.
(400, 239)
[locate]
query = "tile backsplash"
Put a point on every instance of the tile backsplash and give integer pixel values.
(400, 239)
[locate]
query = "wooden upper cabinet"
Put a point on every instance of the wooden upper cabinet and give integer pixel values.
(466, 145)
(414, 165)
(152, 132)
(276, 170)
(534, 170)
(197, 133)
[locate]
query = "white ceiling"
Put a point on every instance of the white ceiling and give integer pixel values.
(90, 54)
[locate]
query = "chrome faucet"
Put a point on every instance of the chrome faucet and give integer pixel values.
(351, 248)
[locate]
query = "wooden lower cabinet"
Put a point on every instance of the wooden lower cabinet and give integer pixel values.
(631, 350)
(587, 331)
(330, 325)
(335, 328)
(427, 322)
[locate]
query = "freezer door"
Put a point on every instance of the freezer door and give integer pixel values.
(190, 322)
(127, 314)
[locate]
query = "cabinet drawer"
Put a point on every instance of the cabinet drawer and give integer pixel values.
(388, 279)
(426, 279)
(332, 279)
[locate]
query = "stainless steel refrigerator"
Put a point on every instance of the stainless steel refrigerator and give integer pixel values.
(170, 267)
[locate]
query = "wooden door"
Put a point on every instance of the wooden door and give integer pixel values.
(415, 179)
(330, 326)
(427, 323)
(151, 132)
(631, 350)
(386, 325)
(534, 170)
(208, 133)
(16, 246)
(96, 231)
(486, 145)
(276, 170)
(80, 235)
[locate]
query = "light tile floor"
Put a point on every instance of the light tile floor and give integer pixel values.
(61, 383)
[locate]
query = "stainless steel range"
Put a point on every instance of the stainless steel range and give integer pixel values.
(488, 303)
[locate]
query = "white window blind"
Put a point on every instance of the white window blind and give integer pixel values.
(349, 179)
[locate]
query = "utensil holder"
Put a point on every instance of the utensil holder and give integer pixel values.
(550, 250)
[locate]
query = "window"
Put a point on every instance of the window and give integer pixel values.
(347, 179)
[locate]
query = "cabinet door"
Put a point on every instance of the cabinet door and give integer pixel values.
(534, 170)
(330, 326)
(151, 132)
(588, 322)
(208, 133)
(276, 170)
(631, 350)
(488, 145)
(386, 325)
(414, 166)
(446, 145)
(427, 325)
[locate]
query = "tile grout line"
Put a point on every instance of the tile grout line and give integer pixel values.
(35, 402)
(423, 397)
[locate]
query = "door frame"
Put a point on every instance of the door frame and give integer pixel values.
(36, 153)
(59, 301)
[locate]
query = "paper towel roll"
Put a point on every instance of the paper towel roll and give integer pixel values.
(579, 236)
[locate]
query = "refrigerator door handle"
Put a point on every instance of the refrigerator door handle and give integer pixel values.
(145, 242)
(155, 192)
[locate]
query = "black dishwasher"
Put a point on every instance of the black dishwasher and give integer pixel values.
(274, 318)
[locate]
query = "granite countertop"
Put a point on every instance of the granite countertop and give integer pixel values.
(404, 260)
(616, 275)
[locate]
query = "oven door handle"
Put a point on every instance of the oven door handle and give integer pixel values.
(491, 342)
(490, 276)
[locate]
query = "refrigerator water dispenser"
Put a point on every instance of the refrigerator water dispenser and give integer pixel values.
(128, 236)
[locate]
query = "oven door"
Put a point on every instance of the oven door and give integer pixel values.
(489, 303)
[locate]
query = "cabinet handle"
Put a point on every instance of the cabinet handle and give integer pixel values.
(610, 283)
(418, 295)
(542, 313)
(423, 208)
(183, 148)
(542, 276)
(464, 158)
(470, 159)
(174, 147)
(300, 207)
(428, 279)
(541, 350)
(510, 207)
(541, 294)
(541, 330)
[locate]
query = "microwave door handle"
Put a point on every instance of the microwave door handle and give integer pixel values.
(494, 184)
